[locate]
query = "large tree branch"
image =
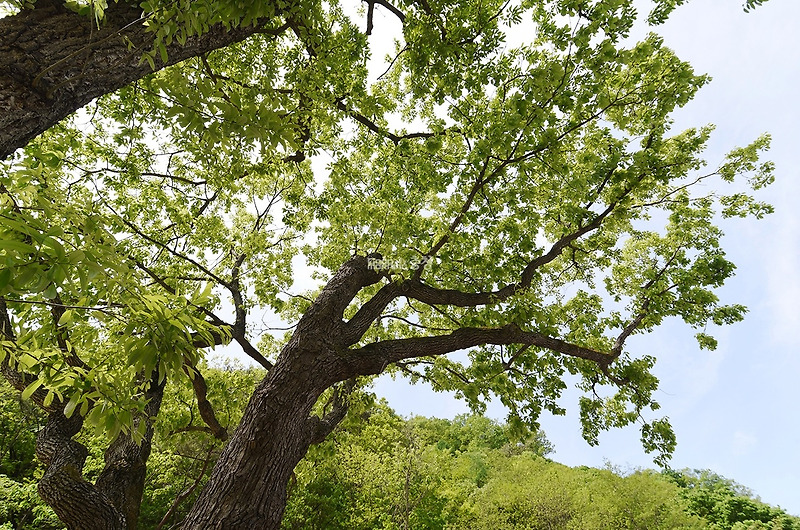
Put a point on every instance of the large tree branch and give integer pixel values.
(433, 296)
(369, 313)
(327, 310)
(54, 61)
(416, 289)
(374, 358)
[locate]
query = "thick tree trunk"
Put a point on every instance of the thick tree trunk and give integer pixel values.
(76, 501)
(113, 501)
(248, 485)
(54, 61)
(247, 488)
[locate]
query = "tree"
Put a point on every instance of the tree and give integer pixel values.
(528, 205)
(726, 504)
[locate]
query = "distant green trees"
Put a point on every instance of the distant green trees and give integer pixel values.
(467, 473)
(728, 505)
(381, 471)
(386, 472)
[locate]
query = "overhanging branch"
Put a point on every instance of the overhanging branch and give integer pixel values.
(203, 404)
(76, 62)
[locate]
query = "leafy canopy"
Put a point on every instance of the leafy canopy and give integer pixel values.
(537, 185)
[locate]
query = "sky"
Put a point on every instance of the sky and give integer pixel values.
(734, 410)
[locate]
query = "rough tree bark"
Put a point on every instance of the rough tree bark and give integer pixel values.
(247, 488)
(54, 61)
(114, 500)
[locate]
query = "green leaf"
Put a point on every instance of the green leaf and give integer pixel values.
(5, 277)
(31, 388)
(69, 408)
(67, 317)
(19, 246)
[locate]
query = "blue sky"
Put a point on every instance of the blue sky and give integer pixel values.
(735, 410)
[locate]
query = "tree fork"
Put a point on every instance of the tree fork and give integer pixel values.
(77, 502)
(113, 502)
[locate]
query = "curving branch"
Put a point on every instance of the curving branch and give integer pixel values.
(374, 358)
(375, 128)
(383, 3)
(368, 313)
(415, 289)
(322, 427)
(239, 328)
(203, 404)
(632, 326)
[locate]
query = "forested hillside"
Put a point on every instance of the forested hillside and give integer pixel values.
(379, 470)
